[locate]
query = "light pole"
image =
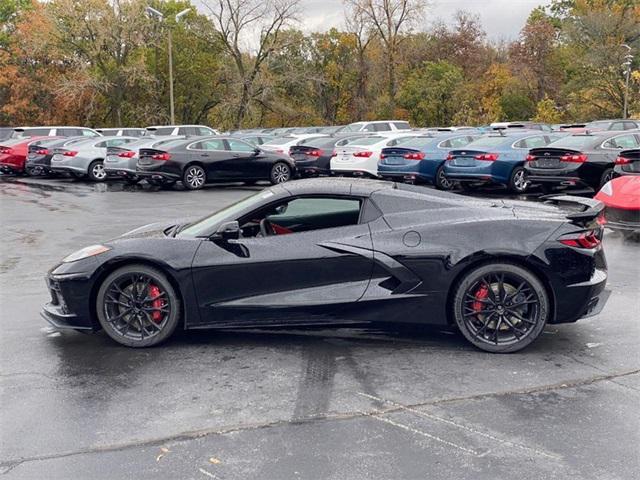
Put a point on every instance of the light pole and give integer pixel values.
(628, 58)
(160, 17)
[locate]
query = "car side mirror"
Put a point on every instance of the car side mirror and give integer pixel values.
(228, 231)
(256, 151)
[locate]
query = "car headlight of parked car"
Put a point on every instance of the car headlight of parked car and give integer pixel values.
(86, 252)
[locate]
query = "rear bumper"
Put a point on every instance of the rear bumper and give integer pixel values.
(353, 173)
(568, 181)
(11, 168)
(621, 219)
(159, 176)
(591, 297)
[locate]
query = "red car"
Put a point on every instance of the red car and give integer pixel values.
(621, 197)
(13, 153)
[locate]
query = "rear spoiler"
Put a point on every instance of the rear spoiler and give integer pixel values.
(590, 208)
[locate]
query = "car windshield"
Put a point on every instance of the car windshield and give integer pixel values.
(367, 141)
(280, 141)
(203, 226)
(574, 142)
(488, 142)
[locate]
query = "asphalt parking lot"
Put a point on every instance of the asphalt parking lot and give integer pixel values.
(304, 404)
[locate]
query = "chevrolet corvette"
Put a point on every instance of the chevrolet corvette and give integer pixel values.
(340, 252)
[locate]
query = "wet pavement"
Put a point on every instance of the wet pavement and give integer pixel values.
(304, 404)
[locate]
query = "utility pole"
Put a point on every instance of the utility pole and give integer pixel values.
(160, 17)
(628, 59)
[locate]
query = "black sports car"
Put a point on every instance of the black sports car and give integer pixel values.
(198, 161)
(584, 160)
(341, 251)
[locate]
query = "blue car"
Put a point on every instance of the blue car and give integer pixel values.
(496, 158)
(421, 159)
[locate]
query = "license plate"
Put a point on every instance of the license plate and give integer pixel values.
(145, 161)
(298, 156)
(111, 159)
(464, 162)
(394, 161)
(547, 163)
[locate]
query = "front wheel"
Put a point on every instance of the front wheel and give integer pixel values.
(280, 172)
(194, 177)
(500, 307)
(518, 182)
(442, 182)
(137, 306)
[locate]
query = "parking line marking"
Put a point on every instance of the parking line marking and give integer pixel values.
(418, 432)
(208, 474)
(458, 425)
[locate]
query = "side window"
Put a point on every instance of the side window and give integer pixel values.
(103, 144)
(630, 125)
(36, 132)
(109, 133)
(402, 125)
(382, 127)
(534, 142)
(617, 126)
(459, 142)
(213, 144)
(203, 131)
(239, 146)
(70, 132)
(86, 133)
(624, 141)
(303, 215)
(369, 128)
(181, 131)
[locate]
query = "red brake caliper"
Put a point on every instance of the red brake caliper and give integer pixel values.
(481, 294)
(154, 291)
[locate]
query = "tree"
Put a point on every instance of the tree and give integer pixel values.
(239, 21)
(430, 94)
(358, 26)
(391, 19)
(547, 112)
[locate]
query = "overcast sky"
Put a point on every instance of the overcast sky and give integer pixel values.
(502, 19)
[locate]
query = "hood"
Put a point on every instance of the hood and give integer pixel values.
(154, 230)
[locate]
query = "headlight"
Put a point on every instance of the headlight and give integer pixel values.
(85, 253)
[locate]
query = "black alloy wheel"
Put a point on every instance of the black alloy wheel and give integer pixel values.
(442, 182)
(194, 177)
(137, 306)
(501, 307)
(607, 176)
(280, 172)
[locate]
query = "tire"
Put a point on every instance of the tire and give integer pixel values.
(126, 316)
(607, 175)
(441, 180)
(194, 177)
(518, 180)
(280, 173)
(480, 312)
(96, 171)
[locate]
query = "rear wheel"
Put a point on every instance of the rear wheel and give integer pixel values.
(518, 181)
(137, 306)
(96, 171)
(607, 176)
(442, 182)
(500, 307)
(280, 172)
(194, 177)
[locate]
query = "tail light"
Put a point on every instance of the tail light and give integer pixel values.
(127, 154)
(488, 157)
(450, 157)
(6, 150)
(70, 153)
(622, 161)
(382, 156)
(414, 156)
(530, 158)
(365, 154)
(316, 153)
(42, 151)
(161, 156)
(588, 240)
(573, 158)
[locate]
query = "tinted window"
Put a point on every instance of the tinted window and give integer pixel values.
(103, 144)
(597, 125)
(531, 142)
(381, 127)
(321, 142)
(617, 126)
(240, 146)
(456, 142)
(212, 144)
(33, 132)
(367, 141)
(623, 141)
(630, 125)
(162, 131)
(132, 133)
(402, 125)
(109, 133)
(169, 143)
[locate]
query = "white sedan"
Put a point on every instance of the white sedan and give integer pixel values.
(361, 156)
(281, 145)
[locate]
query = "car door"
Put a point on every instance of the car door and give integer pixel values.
(244, 161)
(210, 153)
(302, 275)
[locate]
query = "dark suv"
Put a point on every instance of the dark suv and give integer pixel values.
(584, 160)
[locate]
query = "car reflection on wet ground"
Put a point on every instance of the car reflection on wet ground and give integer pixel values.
(313, 403)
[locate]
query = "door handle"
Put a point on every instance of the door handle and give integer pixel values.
(236, 155)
